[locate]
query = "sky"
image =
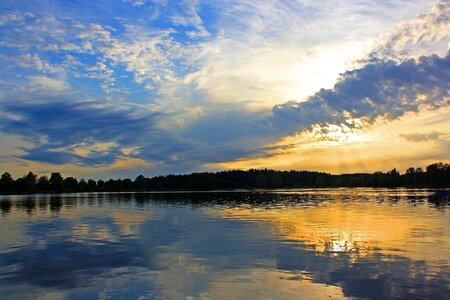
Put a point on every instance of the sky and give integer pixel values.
(114, 89)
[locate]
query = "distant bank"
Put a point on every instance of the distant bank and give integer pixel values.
(436, 175)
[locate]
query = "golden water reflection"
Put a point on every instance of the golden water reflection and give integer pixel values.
(357, 229)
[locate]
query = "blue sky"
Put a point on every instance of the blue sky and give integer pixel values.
(119, 88)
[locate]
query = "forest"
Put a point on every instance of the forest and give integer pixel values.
(436, 175)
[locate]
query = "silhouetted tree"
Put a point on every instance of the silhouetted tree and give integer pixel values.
(56, 182)
(378, 179)
(70, 185)
(6, 183)
(82, 186)
(127, 184)
(410, 170)
(100, 186)
(277, 180)
(261, 181)
(30, 182)
(139, 182)
(436, 175)
(43, 184)
(393, 177)
(92, 185)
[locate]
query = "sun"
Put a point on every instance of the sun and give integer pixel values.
(335, 134)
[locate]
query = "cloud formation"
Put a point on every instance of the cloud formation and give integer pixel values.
(58, 129)
(100, 133)
(382, 89)
(45, 84)
(422, 137)
(150, 55)
(191, 83)
(426, 33)
(35, 62)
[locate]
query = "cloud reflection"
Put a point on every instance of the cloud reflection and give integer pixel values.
(339, 243)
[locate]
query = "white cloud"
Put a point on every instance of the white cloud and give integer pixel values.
(71, 61)
(149, 54)
(46, 84)
(11, 17)
(269, 74)
(426, 33)
(263, 52)
(35, 62)
(190, 17)
(268, 52)
(101, 71)
(145, 59)
(136, 2)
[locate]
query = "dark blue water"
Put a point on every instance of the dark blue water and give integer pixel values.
(305, 244)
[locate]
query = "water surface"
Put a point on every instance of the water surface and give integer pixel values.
(303, 244)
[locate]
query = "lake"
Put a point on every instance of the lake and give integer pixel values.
(292, 244)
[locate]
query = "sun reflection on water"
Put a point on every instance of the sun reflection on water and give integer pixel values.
(355, 229)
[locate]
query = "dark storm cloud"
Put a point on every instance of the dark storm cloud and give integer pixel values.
(381, 89)
(56, 127)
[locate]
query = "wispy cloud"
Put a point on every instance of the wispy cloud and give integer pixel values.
(189, 17)
(35, 62)
(426, 33)
(136, 2)
(423, 137)
(268, 52)
(13, 17)
(47, 85)
(149, 55)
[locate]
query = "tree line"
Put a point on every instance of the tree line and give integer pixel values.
(434, 175)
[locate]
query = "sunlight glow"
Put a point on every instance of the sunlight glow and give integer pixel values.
(333, 134)
(349, 228)
(339, 149)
